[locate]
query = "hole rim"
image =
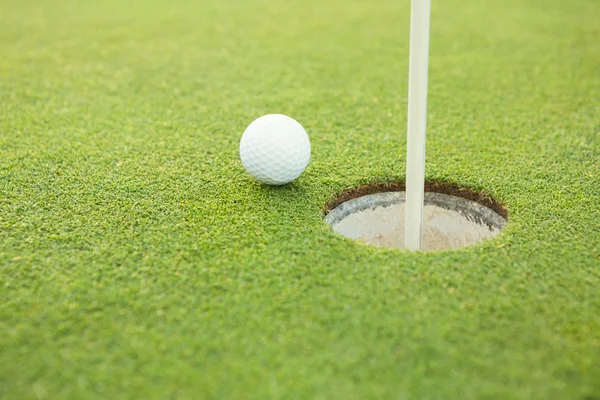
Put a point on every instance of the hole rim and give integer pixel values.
(481, 197)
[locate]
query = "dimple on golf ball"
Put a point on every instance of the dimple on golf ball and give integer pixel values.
(275, 149)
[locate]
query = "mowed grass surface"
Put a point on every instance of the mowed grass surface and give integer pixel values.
(138, 260)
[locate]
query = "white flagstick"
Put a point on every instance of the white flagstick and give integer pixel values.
(417, 122)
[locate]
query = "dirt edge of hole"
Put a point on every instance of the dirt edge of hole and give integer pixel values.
(436, 187)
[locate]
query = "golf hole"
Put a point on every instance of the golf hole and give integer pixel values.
(453, 217)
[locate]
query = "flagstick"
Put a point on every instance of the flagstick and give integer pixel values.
(417, 121)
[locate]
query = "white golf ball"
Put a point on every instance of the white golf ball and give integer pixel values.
(275, 149)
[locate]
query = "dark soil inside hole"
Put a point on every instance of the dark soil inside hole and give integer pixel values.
(437, 187)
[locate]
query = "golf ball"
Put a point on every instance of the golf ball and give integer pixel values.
(275, 149)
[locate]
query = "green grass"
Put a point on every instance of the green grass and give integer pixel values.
(139, 260)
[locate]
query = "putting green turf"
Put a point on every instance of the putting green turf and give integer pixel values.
(138, 260)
